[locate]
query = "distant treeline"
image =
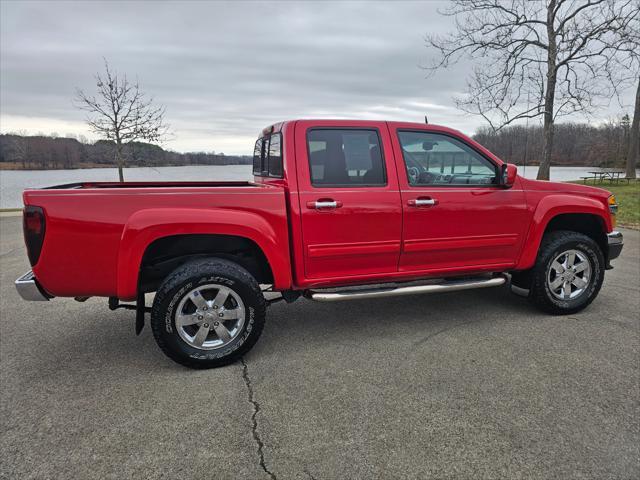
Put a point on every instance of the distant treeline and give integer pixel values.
(576, 144)
(41, 152)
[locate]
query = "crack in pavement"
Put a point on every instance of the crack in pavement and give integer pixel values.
(438, 332)
(604, 320)
(7, 253)
(254, 420)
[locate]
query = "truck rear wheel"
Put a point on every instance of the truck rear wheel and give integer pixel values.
(208, 313)
(568, 273)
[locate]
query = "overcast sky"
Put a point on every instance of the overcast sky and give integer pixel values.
(226, 70)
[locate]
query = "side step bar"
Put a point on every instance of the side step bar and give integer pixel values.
(445, 286)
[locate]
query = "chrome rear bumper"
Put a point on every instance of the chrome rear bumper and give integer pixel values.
(29, 289)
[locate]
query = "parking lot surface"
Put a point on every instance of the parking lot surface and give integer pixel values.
(472, 384)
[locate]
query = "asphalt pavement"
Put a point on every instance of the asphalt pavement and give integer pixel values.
(474, 384)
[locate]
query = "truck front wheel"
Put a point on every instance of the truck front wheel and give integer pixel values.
(208, 313)
(568, 273)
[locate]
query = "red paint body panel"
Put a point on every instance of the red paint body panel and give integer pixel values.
(97, 233)
(95, 237)
(471, 225)
(367, 226)
(546, 200)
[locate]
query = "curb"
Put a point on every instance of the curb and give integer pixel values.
(10, 212)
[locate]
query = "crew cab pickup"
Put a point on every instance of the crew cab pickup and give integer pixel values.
(336, 210)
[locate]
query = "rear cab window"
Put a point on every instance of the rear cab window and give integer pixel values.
(267, 156)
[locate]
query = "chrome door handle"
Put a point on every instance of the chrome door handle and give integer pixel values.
(422, 202)
(324, 204)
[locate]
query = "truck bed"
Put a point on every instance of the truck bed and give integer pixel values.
(121, 185)
(92, 228)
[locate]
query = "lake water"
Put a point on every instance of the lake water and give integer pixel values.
(13, 182)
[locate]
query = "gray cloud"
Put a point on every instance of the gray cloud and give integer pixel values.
(226, 70)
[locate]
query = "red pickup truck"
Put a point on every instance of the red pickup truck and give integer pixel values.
(337, 210)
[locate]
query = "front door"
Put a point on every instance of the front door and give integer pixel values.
(349, 199)
(456, 217)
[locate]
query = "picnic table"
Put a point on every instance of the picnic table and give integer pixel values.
(599, 176)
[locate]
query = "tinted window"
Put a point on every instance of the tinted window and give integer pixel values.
(435, 159)
(257, 158)
(345, 158)
(267, 156)
(275, 155)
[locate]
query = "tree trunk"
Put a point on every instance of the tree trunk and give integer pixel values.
(119, 161)
(545, 165)
(634, 138)
(549, 95)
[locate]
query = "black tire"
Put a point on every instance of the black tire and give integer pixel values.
(554, 244)
(176, 287)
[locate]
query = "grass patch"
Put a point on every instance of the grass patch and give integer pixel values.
(628, 198)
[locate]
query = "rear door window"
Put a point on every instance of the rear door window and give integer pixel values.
(345, 158)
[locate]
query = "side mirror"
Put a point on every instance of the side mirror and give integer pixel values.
(509, 174)
(428, 146)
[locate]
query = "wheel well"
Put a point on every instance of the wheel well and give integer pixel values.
(590, 225)
(165, 254)
(585, 223)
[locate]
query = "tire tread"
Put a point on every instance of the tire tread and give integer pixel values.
(217, 266)
(551, 242)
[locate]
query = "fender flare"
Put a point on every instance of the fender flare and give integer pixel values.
(146, 226)
(547, 209)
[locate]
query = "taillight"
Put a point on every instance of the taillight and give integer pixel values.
(34, 227)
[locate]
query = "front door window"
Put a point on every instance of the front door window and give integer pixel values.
(436, 159)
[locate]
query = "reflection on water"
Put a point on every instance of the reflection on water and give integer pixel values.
(12, 182)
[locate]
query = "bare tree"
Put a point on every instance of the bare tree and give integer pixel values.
(627, 62)
(20, 147)
(633, 154)
(538, 58)
(121, 112)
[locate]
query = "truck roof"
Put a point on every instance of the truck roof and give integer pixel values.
(277, 127)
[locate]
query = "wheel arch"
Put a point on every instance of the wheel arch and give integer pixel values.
(165, 254)
(160, 234)
(565, 212)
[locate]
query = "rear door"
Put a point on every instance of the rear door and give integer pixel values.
(456, 216)
(349, 199)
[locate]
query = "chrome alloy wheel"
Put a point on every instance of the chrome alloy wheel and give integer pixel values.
(569, 275)
(210, 316)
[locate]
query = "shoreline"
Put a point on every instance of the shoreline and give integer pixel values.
(13, 167)
(91, 166)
